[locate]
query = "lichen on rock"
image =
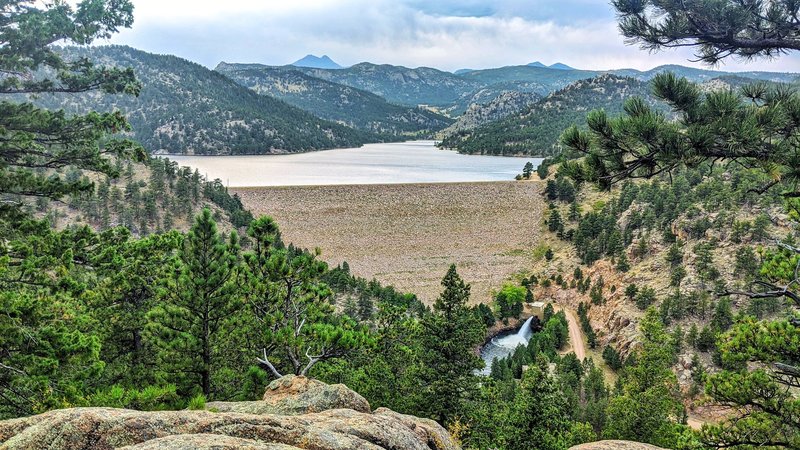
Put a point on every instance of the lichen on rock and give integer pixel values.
(317, 416)
(616, 445)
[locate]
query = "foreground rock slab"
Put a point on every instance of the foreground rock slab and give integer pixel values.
(615, 445)
(296, 413)
(107, 428)
(292, 395)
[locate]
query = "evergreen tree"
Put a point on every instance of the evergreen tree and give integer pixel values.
(692, 335)
(294, 320)
(650, 399)
(623, 265)
(554, 223)
(128, 270)
(351, 308)
(574, 212)
(451, 334)
(366, 307)
(195, 304)
(539, 414)
(645, 297)
(35, 138)
(527, 170)
(631, 291)
(769, 390)
(709, 128)
(486, 315)
(706, 339)
(612, 358)
(751, 29)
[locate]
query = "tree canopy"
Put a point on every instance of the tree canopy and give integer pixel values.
(717, 29)
(34, 141)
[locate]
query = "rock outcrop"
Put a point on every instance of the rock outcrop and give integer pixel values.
(340, 420)
(291, 395)
(616, 445)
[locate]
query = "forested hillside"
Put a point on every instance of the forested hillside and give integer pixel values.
(546, 80)
(335, 102)
(478, 114)
(184, 108)
(401, 85)
(536, 131)
(149, 197)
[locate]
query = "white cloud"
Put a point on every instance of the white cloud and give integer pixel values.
(580, 33)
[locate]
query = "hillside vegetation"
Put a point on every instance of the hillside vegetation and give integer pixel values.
(153, 196)
(502, 106)
(184, 108)
(400, 85)
(536, 130)
(335, 102)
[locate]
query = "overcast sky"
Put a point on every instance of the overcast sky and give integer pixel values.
(446, 34)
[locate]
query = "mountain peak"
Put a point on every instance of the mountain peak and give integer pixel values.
(561, 66)
(556, 66)
(316, 62)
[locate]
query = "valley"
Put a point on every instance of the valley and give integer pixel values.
(200, 254)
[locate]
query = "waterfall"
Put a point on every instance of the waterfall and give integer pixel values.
(511, 341)
(504, 345)
(525, 332)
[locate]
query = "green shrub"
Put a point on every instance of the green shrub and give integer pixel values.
(197, 403)
(151, 398)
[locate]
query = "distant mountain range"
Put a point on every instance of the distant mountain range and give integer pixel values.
(315, 104)
(316, 62)
(534, 129)
(187, 108)
(336, 102)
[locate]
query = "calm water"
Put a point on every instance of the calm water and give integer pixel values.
(408, 162)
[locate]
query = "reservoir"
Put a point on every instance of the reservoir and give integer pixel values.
(394, 163)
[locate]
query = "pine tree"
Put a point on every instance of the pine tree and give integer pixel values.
(351, 308)
(295, 323)
(49, 346)
(366, 308)
(451, 334)
(539, 413)
(125, 293)
(554, 223)
(35, 138)
(768, 387)
(692, 335)
(195, 305)
(527, 170)
(651, 396)
(751, 29)
(623, 265)
(574, 212)
(708, 128)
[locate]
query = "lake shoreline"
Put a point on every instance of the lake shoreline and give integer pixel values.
(374, 164)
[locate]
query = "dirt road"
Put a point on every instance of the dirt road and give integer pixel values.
(576, 343)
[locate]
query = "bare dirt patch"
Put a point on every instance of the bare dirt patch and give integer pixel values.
(407, 235)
